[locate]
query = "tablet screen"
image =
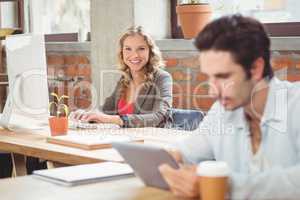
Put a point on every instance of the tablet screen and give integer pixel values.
(145, 161)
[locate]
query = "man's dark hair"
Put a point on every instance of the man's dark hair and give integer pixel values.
(245, 38)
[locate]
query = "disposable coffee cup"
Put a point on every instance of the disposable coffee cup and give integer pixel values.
(213, 180)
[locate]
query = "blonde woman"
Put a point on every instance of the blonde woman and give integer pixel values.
(144, 92)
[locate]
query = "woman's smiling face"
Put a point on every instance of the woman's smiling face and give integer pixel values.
(135, 52)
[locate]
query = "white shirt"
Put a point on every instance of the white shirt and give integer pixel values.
(274, 171)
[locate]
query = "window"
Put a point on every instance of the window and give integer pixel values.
(12, 14)
(68, 18)
(281, 17)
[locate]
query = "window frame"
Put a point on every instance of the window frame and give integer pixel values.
(20, 13)
(283, 29)
(57, 37)
(60, 37)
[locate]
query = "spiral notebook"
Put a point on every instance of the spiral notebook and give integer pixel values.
(84, 174)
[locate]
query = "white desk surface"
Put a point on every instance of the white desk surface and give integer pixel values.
(31, 188)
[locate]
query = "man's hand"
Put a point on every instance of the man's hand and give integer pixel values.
(176, 155)
(183, 182)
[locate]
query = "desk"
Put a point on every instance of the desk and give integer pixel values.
(35, 145)
(31, 188)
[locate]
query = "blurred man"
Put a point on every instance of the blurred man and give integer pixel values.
(253, 126)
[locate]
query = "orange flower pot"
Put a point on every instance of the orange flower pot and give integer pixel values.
(58, 125)
(193, 18)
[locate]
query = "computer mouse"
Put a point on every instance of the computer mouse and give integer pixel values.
(92, 122)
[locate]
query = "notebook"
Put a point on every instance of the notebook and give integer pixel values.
(84, 174)
(90, 141)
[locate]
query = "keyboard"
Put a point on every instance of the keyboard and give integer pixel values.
(86, 125)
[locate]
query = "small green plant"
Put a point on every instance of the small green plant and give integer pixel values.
(60, 109)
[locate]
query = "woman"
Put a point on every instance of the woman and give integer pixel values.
(144, 92)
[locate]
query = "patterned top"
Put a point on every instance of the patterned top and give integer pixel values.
(125, 108)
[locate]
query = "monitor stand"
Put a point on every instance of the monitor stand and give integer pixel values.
(15, 120)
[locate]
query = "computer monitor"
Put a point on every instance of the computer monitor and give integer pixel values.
(28, 95)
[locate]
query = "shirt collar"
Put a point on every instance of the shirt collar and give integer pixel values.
(237, 117)
(275, 110)
(276, 105)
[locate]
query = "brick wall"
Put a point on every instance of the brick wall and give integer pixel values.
(70, 74)
(189, 84)
(190, 89)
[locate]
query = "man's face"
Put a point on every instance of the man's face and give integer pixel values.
(227, 79)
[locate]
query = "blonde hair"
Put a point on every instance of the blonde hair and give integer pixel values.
(155, 59)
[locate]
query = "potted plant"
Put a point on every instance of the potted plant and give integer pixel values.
(193, 15)
(59, 122)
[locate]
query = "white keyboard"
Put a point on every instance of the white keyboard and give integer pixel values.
(85, 125)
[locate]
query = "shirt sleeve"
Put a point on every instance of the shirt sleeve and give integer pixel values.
(195, 149)
(197, 146)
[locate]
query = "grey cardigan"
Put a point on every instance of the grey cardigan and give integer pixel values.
(151, 106)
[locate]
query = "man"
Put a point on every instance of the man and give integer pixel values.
(253, 126)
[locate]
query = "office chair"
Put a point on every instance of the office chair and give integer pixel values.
(184, 119)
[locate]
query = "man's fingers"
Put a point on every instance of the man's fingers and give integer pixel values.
(174, 180)
(176, 155)
(190, 168)
(182, 182)
(164, 168)
(168, 174)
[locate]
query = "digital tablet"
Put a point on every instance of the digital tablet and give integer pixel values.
(145, 160)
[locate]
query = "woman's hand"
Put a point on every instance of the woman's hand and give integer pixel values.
(77, 115)
(183, 182)
(96, 116)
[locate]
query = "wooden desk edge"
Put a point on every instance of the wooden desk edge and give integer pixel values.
(47, 154)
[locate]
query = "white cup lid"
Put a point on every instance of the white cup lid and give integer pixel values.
(213, 169)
